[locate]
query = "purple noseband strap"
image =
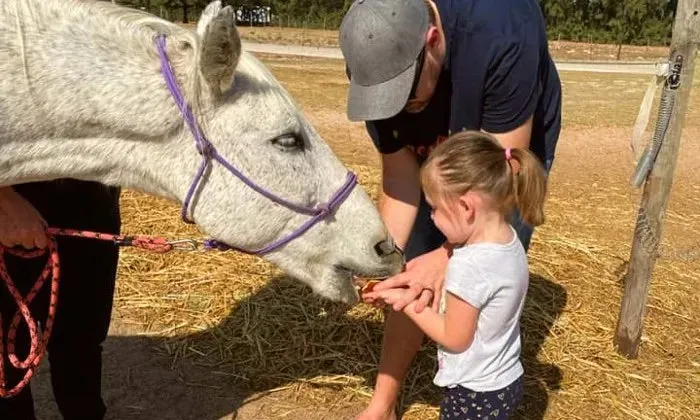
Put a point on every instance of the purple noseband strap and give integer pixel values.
(209, 153)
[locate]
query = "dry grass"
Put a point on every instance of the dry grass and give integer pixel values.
(290, 36)
(561, 50)
(590, 99)
(567, 50)
(244, 320)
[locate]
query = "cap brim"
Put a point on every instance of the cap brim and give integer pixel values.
(378, 102)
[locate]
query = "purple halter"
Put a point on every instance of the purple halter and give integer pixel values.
(209, 153)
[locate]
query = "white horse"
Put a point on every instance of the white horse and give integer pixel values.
(82, 96)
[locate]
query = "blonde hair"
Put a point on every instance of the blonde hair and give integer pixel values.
(472, 160)
(431, 12)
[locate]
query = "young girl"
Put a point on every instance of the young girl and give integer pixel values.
(472, 185)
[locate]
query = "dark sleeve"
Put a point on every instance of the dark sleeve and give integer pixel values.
(511, 86)
(385, 136)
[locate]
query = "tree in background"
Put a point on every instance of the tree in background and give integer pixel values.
(640, 22)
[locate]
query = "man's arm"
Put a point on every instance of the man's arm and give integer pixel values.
(511, 88)
(517, 138)
(400, 194)
(398, 206)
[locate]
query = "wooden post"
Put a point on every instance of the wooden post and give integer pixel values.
(686, 35)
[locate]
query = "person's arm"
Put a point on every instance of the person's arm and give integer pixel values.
(400, 194)
(400, 188)
(518, 138)
(20, 223)
(454, 330)
(511, 90)
(398, 206)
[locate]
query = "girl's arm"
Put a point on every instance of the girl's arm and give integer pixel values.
(454, 330)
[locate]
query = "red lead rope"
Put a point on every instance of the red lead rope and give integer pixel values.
(52, 269)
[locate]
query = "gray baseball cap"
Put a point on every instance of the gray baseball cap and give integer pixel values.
(381, 41)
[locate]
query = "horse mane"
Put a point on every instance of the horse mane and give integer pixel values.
(143, 28)
(132, 31)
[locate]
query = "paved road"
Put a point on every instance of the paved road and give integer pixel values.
(643, 67)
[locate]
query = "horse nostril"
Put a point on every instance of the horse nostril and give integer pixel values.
(385, 247)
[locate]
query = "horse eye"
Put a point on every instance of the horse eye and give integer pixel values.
(289, 142)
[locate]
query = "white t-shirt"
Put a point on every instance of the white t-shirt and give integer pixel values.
(494, 279)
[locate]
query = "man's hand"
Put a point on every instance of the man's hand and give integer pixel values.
(20, 223)
(422, 280)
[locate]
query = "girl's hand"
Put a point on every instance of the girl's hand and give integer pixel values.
(388, 296)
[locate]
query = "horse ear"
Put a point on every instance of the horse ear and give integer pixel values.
(221, 45)
(210, 12)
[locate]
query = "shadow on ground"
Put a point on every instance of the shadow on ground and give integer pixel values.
(150, 378)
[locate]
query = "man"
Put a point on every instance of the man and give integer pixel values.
(88, 272)
(421, 70)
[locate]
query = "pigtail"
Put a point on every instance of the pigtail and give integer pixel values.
(475, 160)
(529, 186)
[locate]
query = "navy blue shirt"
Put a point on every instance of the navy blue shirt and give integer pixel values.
(497, 73)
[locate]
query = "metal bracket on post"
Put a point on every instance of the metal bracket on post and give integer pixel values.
(674, 79)
(668, 99)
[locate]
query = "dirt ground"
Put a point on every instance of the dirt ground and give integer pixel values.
(201, 346)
